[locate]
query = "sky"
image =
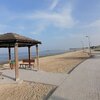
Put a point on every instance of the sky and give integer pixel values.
(58, 24)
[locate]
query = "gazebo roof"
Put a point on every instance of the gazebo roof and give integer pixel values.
(9, 40)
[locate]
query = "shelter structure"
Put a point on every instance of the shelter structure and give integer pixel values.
(13, 40)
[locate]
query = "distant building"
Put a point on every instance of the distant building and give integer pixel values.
(74, 49)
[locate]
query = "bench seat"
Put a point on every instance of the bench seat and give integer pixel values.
(25, 63)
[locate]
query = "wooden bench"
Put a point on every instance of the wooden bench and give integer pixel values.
(25, 63)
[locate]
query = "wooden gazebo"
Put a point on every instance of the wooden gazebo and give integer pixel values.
(13, 40)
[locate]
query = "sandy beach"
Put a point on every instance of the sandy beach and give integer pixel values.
(63, 62)
(25, 91)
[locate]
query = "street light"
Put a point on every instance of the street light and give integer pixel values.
(89, 44)
(82, 45)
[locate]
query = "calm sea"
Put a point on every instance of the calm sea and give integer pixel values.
(23, 55)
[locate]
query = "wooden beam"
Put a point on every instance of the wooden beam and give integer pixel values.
(9, 51)
(37, 56)
(16, 62)
(29, 55)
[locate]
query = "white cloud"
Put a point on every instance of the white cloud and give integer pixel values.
(54, 4)
(62, 19)
(39, 29)
(95, 39)
(92, 27)
(96, 23)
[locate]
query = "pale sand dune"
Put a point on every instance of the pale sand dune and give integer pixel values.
(24, 91)
(63, 62)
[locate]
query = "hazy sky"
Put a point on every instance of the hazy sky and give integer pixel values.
(59, 24)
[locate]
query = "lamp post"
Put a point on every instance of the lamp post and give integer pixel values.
(82, 45)
(89, 44)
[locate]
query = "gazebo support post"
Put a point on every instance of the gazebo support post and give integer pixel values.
(37, 56)
(9, 51)
(29, 55)
(16, 62)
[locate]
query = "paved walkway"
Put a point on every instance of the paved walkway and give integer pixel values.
(82, 84)
(43, 77)
(36, 76)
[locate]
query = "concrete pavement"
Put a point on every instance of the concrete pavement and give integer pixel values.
(35, 76)
(83, 83)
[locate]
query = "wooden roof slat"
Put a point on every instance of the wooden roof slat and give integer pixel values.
(12, 38)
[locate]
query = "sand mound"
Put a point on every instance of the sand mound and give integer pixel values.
(24, 91)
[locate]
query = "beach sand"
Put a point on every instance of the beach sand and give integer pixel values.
(62, 62)
(24, 91)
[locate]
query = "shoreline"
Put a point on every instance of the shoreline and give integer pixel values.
(48, 55)
(58, 63)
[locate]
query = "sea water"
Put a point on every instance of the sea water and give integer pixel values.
(24, 55)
